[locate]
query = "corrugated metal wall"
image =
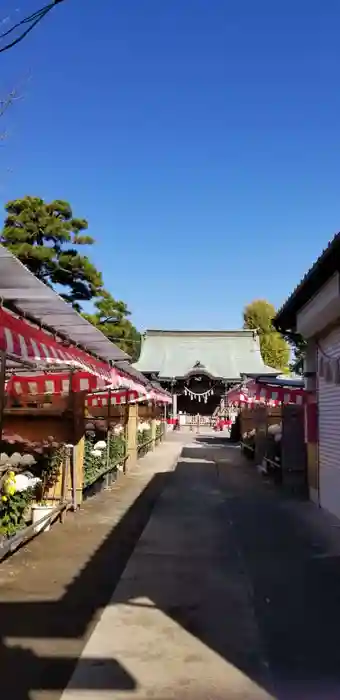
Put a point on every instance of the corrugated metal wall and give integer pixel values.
(329, 428)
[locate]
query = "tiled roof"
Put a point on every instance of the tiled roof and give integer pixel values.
(325, 266)
(223, 354)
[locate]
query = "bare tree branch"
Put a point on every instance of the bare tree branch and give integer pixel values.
(8, 100)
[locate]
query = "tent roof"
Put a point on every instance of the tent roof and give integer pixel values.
(278, 380)
(132, 371)
(22, 290)
(221, 354)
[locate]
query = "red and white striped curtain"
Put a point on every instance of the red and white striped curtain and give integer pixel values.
(23, 341)
(119, 397)
(60, 383)
(257, 393)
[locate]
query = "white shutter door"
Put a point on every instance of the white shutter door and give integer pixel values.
(329, 428)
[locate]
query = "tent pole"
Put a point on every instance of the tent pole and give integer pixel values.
(2, 388)
(108, 475)
(69, 465)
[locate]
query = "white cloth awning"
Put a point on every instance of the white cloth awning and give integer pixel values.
(37, 301)
(24, 342)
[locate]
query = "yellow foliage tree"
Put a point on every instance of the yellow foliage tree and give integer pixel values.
(258, 316)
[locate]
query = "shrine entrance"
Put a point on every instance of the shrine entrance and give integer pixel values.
(199, 367)
(199, 395)
(192, 406)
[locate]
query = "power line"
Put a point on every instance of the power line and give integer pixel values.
(121, 340)
(27, 24)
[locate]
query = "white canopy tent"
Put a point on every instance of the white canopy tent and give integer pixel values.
(37, 302)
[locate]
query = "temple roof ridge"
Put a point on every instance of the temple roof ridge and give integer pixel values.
(224, 354)
(194, 332)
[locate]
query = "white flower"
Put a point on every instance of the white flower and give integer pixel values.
(158, 422)
(118, 429)
(27, 460)
(100, 445)
(274, 429)
(251, 433)
(23, 482)
(96, 453)
(15, 459)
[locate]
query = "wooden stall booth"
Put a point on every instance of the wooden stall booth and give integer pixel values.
(272, 427)
(137, 413)
(50, 358)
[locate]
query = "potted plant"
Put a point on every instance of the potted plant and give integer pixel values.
(47, 400)
(16, 491)
(51, 459)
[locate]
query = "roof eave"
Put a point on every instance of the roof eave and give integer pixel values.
(26, 295)
(217, 379)
(262, 375)
(325, 266)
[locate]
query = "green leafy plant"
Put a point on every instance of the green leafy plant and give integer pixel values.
(94, 460)
(19, 486)
(99, 455)
(143, 439)
(13, 509)
(117, 447)
(51, 464)
(159, 432)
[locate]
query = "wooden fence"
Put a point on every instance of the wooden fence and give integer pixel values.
(288, 457)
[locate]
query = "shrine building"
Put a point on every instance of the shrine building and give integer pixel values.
(199, 367)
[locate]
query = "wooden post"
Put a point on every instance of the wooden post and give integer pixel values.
(79, 443)
(2, 388)
(131, 434)
(153, 433)
(108, 476)
(78, 452)
(65, 473)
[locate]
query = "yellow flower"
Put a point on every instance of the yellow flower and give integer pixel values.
(8, 486)
(11, 475)
(4, 498)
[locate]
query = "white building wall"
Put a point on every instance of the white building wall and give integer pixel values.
(328, 391)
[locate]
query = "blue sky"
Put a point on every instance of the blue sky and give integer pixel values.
(200, 138)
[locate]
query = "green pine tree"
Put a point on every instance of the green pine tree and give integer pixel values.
(112, 318)
(46, 237)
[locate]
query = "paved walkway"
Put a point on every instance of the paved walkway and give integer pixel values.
(53, 590)
(232, 590)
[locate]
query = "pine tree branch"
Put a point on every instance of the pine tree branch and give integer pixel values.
(5, 103)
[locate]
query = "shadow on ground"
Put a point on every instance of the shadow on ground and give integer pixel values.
(68, 618)
(281, 551)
